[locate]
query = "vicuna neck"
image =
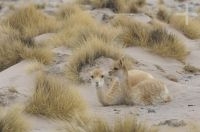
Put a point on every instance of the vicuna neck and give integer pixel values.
(101, 95)
(123, 76)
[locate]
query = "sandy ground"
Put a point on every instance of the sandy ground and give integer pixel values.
(185, 105)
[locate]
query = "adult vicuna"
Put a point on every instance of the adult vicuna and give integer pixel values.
(140, 88)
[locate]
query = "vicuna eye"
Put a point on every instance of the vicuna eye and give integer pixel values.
(102, 76)
(92, 76)
(115, 68)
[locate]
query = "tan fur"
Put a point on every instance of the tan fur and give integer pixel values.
(140, 87)
(110, 92)
(136, 76)
(148, 92)
(132, 87)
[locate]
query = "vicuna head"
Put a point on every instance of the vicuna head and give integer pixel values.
(97, 77)
(119, 68)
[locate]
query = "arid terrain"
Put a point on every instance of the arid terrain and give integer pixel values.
(48, 48)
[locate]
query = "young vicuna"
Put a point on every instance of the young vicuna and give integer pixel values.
(108, 88)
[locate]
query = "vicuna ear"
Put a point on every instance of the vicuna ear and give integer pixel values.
(121, 61)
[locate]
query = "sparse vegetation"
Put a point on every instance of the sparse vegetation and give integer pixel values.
(140, 2)
(87, 53)
(79, 26)
(192, 30)
(100, 125)
(35, 66)
(166, 44)
(55, 99)
(9, 54)
(16, 42)
(42, 55)
(163, 14)
(74, 37)
(68, 10)
(135, 34)
(30, 22)
(152, 36)
(13, 121)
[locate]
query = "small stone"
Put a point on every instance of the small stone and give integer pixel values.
(191, 105)
(172, 77)
(151, 111)
(159, 68)
(137, 114)
(116, 110)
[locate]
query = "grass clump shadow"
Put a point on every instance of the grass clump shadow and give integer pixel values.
(55, 99)
(13, 121)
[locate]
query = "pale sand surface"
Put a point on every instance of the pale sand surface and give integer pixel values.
(185, 105)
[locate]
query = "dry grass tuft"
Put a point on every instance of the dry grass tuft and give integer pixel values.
(140, 2)
(68, 10)
(12, 50)
(55, 99)
(80, 26)
(42, 55)
(132, 7)
(74, 16)
(192, 30)
(120, 21)
(163, 14)
(91, 50)
(13, 121)
(153, 36)
(166, 44)
(10, 47)
(105, 33)
(134, 33)
(40, 6)
(100, 125)
(35, 66)
(191, 69)
(31, 22)
(9, 53)
(77, 25)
